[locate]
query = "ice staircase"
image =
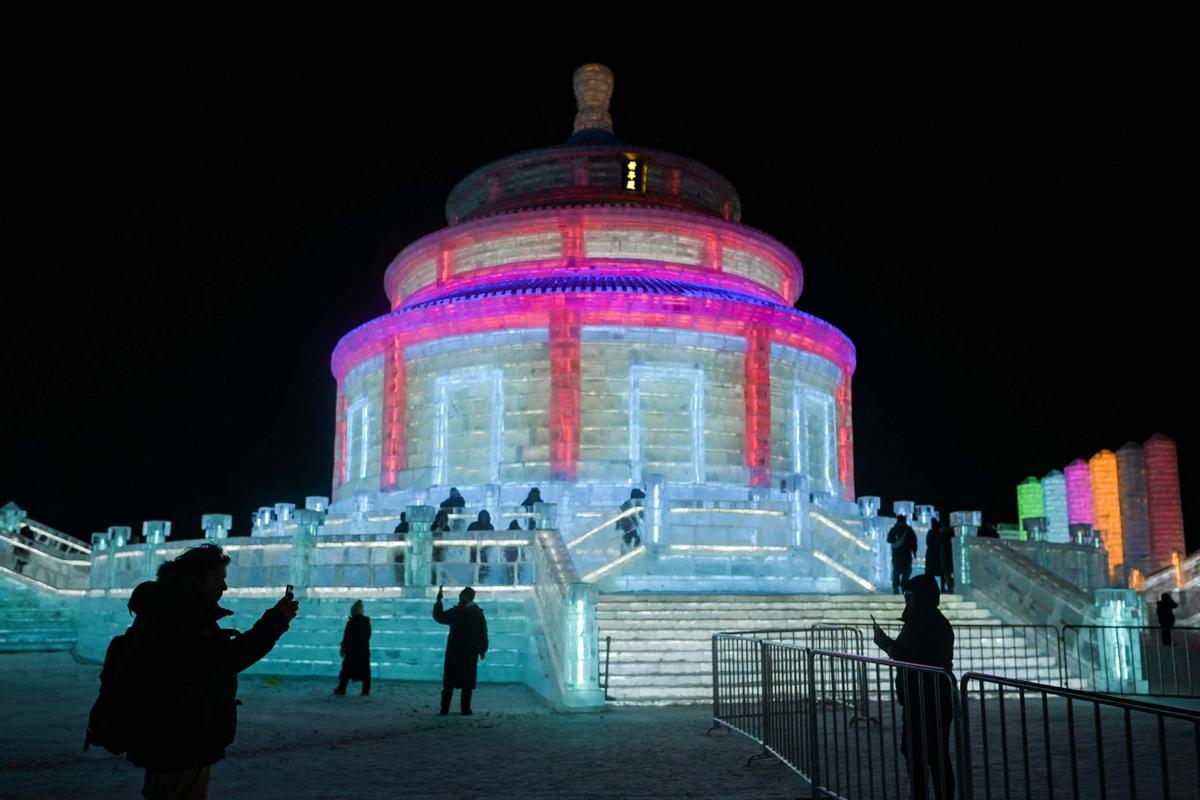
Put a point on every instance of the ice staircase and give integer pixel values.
(406, 644)
(735, 547)
(661, 651)
(32, 619)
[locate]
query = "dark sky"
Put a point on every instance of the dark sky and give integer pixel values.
(996, 218)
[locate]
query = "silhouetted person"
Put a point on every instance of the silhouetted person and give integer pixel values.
(356, 651)
(947, 547)
(530, 503)
(402, 527)
(934, 566)
(441, 522)
(455, 501)
(988, 531)
(109, 721)
(485, 554)
(630, 526)
(466, 644)
(903, 541)
(928, 639)
(482, 523)
(188, 671)
(1165, 609)
(514, 526)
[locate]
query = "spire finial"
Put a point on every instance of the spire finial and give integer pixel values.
(593, 91)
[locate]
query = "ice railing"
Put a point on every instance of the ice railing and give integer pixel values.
(566, 608)
(319, 563)
(42, 557)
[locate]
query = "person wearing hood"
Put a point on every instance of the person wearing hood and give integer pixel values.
(630, 526)
(455, 502)
(356, 651)
(529, 504)
(486, 555)
(482, 523)
(1164, 609)
(466, 645)
(903, 542)
(188, 667)
(926, 697)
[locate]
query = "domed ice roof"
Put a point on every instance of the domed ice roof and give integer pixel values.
(590, 168)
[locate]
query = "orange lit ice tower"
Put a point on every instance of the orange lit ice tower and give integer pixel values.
(595, 319)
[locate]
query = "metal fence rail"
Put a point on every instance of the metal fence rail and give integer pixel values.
(1023, 739)
(893, 742)
(856, 726)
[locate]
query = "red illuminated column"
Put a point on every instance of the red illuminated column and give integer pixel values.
(339, 443)
(565, 390)
(758, 404)
(395, 405)
(1165, 503)
(845, 438)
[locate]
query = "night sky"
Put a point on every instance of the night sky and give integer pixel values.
(997, 220)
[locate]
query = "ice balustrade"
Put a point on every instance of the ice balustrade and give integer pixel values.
(43, 557)
(318, 562)
(566, 608)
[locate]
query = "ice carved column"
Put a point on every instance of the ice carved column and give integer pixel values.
(216, 526)
(868, 509)
(155, 532)
(656, 490)
(757, 398)
(966, 527)
(100, 575)
(565, 394)
(304, 548)
(797, 491)
(418, 561)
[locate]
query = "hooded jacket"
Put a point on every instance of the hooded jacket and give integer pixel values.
(188, 668)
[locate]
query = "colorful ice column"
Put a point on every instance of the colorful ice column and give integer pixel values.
(1135, 517)
(1030, 501)
(1054, 499)
(1163, 497)
(1079, 493)
(1106, 505)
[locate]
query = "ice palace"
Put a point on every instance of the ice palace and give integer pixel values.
(593, 321)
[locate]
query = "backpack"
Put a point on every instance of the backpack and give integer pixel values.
(112, 722)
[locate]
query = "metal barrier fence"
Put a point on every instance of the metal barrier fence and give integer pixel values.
(1023, 739)
(737, 657)
(858, 726)
(893, 741)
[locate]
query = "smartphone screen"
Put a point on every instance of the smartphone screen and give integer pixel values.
(289, 590)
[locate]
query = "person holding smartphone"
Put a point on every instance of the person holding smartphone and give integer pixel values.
(466, 645)
(187, 670)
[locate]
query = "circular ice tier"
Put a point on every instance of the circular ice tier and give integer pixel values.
(593, 344)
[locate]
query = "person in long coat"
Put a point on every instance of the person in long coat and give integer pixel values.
(356, 651)
(933, 552)
(903, 542)
(466, 645)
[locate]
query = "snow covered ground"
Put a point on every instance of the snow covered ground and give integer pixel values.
(297, 741)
